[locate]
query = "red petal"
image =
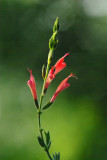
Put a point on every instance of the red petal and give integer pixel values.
(60, 64)
(31, 83)
(50, 77)
(63, 85)
(59, 68)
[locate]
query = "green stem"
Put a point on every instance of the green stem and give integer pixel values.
(39, 124)
(49, 156)
(41, 98)
(41, 135)
(47, 70)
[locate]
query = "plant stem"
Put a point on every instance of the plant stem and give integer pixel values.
(41, 135)
(47, 70)
(48, 154)
(40, 104)
(39, 124)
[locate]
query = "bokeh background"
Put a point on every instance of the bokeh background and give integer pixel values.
(77, 119)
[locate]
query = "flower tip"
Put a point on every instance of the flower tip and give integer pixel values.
(29, 70)
(73, 75)
(67, 54)
(52, 67)
(76, 77)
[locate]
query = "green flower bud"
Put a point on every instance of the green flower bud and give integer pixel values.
(55, 35)
(50, 55)
(53, 41)
(43, 71)
(56, 25)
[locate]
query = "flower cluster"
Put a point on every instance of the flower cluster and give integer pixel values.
(59, 66)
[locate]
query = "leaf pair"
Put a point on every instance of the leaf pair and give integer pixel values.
(47, 143)
(41, 141)
(56, 156)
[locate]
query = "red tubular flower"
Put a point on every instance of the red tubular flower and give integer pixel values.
(63, 85)
(50, 77)
(31, 83)
(60, 65)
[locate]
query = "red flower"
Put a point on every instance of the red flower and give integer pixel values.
(50, 77)
(63, 85)
(60, 65)
(31, 83)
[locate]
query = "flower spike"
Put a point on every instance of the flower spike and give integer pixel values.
(48, 75)
(63, 85)
(31, 83)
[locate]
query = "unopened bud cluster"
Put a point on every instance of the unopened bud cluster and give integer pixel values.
(53, 40)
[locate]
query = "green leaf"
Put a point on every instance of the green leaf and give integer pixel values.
(47, 137)
(48, 142)
(56, 156)
(41, 141)
(47, 105)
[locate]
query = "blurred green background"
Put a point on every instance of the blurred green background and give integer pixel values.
(77, 119)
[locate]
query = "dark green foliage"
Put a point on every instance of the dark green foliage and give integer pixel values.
(48, 141)
(56, 156)
(41, 141)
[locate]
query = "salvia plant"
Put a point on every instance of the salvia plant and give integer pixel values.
(48, 74)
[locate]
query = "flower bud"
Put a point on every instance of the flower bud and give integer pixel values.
(55, 36)
(53, 41)
(32, 84)
(43, 71)
(50, 55)
(56, 25)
